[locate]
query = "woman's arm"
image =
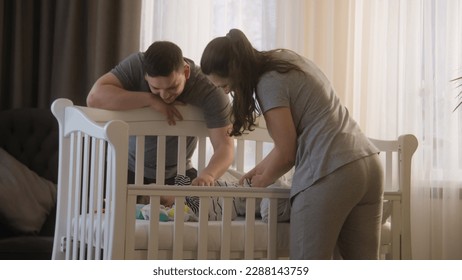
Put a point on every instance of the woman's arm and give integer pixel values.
(282, 157)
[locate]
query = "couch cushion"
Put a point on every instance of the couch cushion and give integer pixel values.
(26, 199)
(31, 136)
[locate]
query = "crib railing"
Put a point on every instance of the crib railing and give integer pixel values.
(202, 252)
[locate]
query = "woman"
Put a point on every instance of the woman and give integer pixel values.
(337, 187)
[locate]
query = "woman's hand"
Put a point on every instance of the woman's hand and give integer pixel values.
(254, 179)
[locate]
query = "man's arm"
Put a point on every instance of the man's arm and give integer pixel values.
(222, 158)
(108, 93)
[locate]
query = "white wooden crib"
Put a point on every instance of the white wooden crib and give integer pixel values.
(96, 207)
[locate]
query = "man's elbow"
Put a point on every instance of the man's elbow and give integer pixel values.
(89, 100)
(92, 101)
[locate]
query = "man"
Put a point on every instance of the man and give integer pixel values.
(158, 78)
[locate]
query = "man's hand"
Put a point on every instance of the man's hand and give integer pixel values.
(203, 180)
(169, 110)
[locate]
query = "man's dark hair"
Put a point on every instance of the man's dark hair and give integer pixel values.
(162, 58)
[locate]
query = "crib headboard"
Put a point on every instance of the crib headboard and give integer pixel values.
(396, 156)
(83, 185)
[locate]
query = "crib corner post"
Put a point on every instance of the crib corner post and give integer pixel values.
(58, 109)
(117, 134)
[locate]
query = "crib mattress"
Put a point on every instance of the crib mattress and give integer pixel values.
(190, 235)
(213, 243)
(191, 229)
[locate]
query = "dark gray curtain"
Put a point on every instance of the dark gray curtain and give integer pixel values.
(58, 48)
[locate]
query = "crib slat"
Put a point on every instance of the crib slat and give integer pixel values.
(153, 241)
(202, 246)
(84, 202)
(100, 199)
(389, 169)
(70, 201)
(139, 160)
(130, 229)
(94, 172)
(202, 152)
(249, 228)
(181, 167)
(178, 228)
(91, 197)
(77, 182)
(225, 253)
(107, 252)
(272, 229)
(160, 167)
(396, 229)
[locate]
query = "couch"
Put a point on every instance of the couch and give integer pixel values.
(28, 175)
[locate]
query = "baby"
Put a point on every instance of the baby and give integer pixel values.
(216, 205)
(215, 210)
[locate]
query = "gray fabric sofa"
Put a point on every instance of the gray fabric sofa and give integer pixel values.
(30, 136)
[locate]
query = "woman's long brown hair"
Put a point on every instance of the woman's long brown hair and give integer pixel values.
(234, 57)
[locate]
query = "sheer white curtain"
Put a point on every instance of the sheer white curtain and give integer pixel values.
(401, 83)
(391, 62)
(191, 24)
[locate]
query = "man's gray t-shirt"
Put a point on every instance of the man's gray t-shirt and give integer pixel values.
(198, 91)
(327, 137)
